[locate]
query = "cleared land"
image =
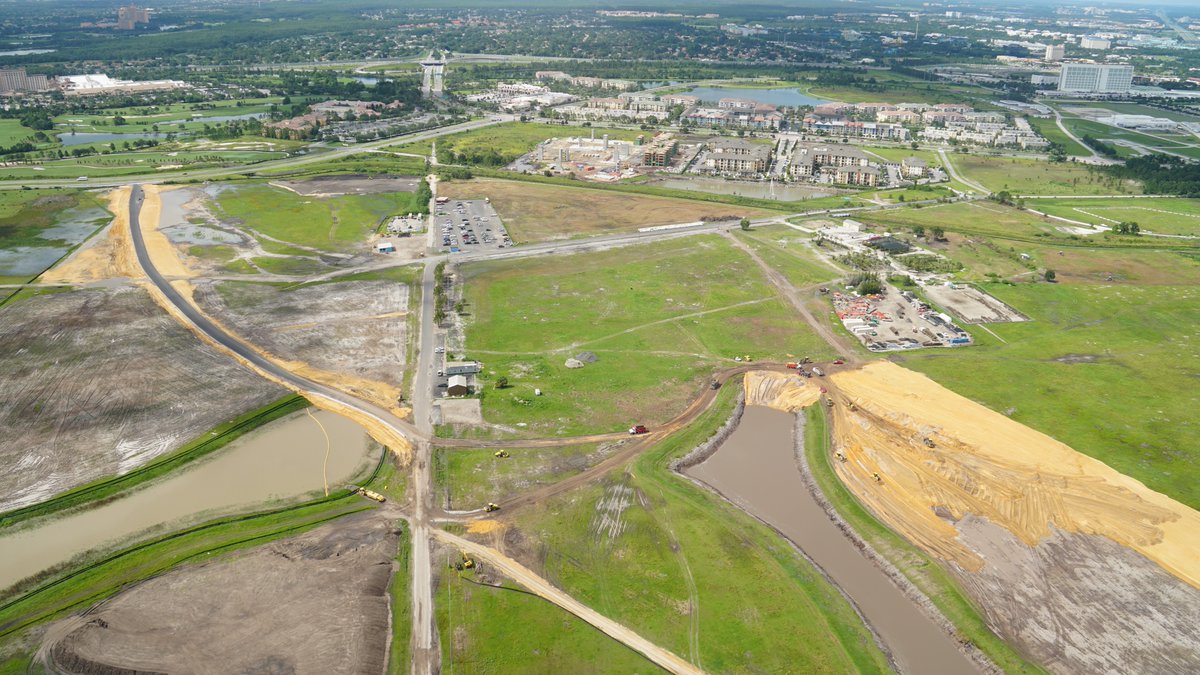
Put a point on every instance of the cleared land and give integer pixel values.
(283, 607)
(686, 570)
(1165, 215)
(37, 229)
(97, 382)
(1008, 507)
(538, 212)
(1033, 177)
(660, 318)
(354, 332)
(488, 624)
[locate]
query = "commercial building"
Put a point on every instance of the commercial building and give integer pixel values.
(1095, 78)
(16, 81)
(1055, 52)
(95, 84)
(1089, 42)
(736, 156)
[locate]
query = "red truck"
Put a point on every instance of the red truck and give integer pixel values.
(638, 429)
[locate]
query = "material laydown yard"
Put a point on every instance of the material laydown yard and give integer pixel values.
(316, 603)
(1008, 508)
(98, 382)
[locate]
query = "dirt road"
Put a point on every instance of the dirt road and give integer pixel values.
(539, 586)
(792, 295)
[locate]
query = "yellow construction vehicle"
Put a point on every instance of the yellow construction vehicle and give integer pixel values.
(877, 477)
(829, 402)
(492, 507)
(840, 455)
(468, 563)
(370, 494)
(502, 453)
(928, 442)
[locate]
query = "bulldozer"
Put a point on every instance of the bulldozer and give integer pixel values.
(840, 455)
(491, 507)
(501, 454)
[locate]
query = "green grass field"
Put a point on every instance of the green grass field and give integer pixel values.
(660, 317)
(326, 223)
(688, 570)
(1047, 127)
(473, 477)
(174, 117)
(787, 250)
(496, 627)
(1030, 177)
(11, 132)
(1108, 369)
(1165, 215)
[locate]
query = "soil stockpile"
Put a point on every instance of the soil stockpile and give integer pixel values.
(317, 603)
(98, 382)
(1078, 565)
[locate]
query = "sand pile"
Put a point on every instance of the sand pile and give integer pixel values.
(108, 255)
(781, 391)
(986, 464)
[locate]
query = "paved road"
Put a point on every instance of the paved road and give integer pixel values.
(956, 176)
(665, 659)
(287, 163)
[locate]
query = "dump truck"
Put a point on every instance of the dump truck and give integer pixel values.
(370, 494)
(638, 429)
(829, 402)
(793, 365)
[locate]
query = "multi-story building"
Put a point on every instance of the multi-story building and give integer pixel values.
(1095, 78)
(16, 81)
(660, 150)
(857, 175)
(1055, 52)
(913, 167)
(736, 104)
(684, 100)
(900, 116)
(129, 17)
(1090, 42)
(736, 156)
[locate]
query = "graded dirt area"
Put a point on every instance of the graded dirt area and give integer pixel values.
(972, 305)
(100, 381)
(534, 212)
(108, 255)
(316, 603)
(352, 335)
(1052, 543)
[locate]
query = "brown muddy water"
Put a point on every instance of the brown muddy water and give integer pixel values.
(756, 469)
(284, 459)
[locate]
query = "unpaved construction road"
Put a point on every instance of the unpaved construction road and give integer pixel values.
(316, 603)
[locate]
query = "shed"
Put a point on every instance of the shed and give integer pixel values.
(386, 247)
(457, 386)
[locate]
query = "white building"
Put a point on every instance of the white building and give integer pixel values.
(1055, 52)
(1089, 42)
(1095, 78)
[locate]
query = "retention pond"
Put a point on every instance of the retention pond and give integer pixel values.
(756, 469)
(285, 459)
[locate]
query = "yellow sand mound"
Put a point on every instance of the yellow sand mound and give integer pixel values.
(986, 464)
(108, 256)
(781, 391)
(484, 526)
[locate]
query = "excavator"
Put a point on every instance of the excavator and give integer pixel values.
(465, 564)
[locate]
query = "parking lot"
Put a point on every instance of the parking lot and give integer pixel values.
(470, 224)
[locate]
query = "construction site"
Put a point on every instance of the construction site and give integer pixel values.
(601, 159)
(896, 320)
